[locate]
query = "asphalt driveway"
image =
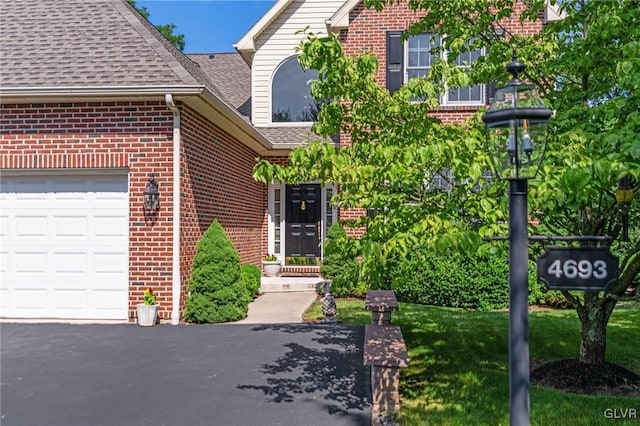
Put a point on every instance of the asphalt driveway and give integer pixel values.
(77, 375)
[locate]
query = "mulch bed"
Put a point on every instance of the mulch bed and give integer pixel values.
(573, 376)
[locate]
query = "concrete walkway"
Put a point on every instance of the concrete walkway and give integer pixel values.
(279, 308)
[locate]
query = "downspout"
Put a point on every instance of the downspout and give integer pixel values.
(175, 268)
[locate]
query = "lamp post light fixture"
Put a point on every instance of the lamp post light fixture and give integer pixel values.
(516, 133)
(624, 197)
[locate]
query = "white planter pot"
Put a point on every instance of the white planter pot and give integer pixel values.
(271, 268)
(147, 315)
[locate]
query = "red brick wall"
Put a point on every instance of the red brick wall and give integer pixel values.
(138, 136)
(368, 30)
(133, 135)
(218, 184)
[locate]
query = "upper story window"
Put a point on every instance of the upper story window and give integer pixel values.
(291, 99)
(415, 59)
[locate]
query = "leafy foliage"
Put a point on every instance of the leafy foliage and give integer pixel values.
(457, 280)
(167, 30)
(587, 67)
(251, 277)
(217, 290)
(340, 264)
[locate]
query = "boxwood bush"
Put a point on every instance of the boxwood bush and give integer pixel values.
(251, 276)
(457, 280)
(340, 264)
(217, 290)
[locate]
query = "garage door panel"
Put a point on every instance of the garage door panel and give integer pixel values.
(4, 262)
(110, 263)
(110, 226)
(70, 299)
(70, 226)
(32, 297)
(4, 225)
(30, 226)
(64, 242)
(70, 263)
(28, 263)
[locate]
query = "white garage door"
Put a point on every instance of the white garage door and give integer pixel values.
(64, 246)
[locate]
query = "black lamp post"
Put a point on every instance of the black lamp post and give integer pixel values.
(516, 126)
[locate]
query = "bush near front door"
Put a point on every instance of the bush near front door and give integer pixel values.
(217, 291)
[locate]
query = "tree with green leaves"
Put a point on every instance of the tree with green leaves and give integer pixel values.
(586, 66)
(167, 30)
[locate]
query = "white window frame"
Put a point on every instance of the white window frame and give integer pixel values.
(444, 99)
(271, 215)
(282, 123)
(326, 213)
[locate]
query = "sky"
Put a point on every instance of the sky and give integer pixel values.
(209, 26)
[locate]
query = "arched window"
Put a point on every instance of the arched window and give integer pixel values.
(291, 100)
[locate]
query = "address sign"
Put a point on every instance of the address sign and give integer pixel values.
(578, 268)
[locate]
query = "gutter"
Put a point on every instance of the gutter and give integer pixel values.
(175, 268)
(261, 144)
(9, 93)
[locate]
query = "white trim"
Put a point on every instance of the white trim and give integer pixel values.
(340, 19)
(283, 200)
(323, 213)
(270, 218)
(87, 171)
(99, 91)
(270, 100)
(444, 99)
(553, 13)
(246, 45)
(175, 260)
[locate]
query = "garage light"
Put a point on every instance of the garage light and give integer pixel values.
(151, 195)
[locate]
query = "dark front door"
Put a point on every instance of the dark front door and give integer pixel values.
(303, 213)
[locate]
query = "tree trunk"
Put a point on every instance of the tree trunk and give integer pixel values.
(594, 316)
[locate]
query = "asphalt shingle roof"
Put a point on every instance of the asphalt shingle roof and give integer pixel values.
(76, 43)
(107, 43)
(231, 75)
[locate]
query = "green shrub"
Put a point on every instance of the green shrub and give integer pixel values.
(217, 291)
(456, 280)
(251, 277)
(340, 264)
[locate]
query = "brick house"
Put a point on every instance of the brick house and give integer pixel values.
(94, 101)
(268, 48)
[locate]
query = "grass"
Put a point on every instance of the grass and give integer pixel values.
(459, 364)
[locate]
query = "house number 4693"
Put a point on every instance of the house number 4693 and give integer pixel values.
(584, 269)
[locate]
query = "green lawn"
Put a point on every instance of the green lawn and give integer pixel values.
(459, 364)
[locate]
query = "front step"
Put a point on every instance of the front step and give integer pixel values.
(282, 284)
(300, 271)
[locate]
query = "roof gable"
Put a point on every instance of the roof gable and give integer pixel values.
(340, 19)
(246, 45)
(54, 43)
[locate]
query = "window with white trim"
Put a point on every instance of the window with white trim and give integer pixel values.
(291, 99)
(420, 58)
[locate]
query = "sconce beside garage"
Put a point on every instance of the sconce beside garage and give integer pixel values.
(151, 195)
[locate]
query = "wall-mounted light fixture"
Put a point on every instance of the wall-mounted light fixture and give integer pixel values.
(151, 195)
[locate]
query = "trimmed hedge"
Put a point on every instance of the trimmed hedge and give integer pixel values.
(456, 280)
(217, 291)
